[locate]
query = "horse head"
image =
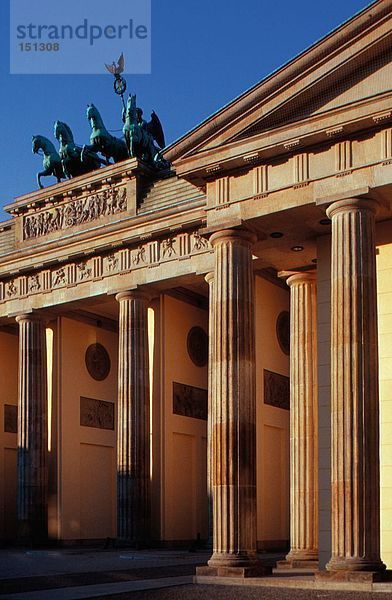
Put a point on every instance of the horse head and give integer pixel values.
(92, 111)
(36, 143)
(63, 132)
(40, 142)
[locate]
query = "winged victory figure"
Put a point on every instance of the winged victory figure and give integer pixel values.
(117, 69)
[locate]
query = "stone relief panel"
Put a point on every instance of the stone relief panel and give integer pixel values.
(197, 346)
(189, 401)
(10, 418)
(146, 254)
(77, 212)
(283, 331)
(97, 361)
(34, 284)
(276, 390)
(96, 413)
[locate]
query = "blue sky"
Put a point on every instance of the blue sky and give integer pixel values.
(204, 54)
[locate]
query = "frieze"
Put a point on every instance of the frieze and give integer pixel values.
(108, 202)
(150, 253)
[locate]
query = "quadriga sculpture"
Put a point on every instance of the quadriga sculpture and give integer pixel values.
(143, 140)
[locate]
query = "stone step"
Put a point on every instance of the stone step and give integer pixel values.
(152, 206)
(169, 182)
(165, 183)
(173, 197)
(178, 187)
(7, 241)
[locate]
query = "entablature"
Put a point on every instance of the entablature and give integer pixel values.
(147, 261)
(350, 123)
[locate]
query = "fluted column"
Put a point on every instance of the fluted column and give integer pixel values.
(354, 396)
(133, 438)
(233, 402)
(210, 280)
(303, 420)
(32, 491)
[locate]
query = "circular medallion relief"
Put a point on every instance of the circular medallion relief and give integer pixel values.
(97, 362)
(283, 331)
(197, 344)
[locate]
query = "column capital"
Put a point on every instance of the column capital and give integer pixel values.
(32, 317)
(350, 204)
(209, 278)
(133, 295)
(241, 236)
(297, 277)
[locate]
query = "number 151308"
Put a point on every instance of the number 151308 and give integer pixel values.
(39, 47)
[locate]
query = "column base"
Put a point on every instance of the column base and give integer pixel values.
(287, 564)
(234, 565)
(256, 570)
(353, 576)
(353, 564)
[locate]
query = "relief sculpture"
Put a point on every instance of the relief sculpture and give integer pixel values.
(190, 401)
(121, 260)
(10, 418)
(96, 413)
(108, 202)
(276, 390)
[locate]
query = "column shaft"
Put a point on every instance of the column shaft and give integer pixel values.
(355, 404)
(210, 280)
(303, 419)
(233, 402)
(133, 439)
(32, 491)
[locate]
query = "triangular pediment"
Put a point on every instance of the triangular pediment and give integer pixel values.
(354, 83)
(350, 67)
